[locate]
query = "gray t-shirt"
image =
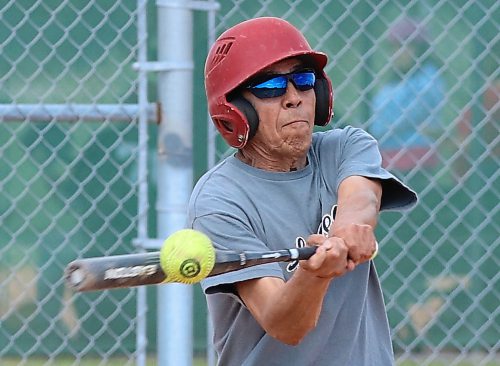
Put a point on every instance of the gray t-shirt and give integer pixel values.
(243, 208)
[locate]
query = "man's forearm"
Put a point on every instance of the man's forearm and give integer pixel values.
(358, 207)
(361, 208)
(358, 202)
(286, 311)
(292, 314)
(289, 310)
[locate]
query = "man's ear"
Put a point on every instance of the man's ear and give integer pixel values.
(250, 113)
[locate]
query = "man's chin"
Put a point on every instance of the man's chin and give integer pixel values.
(299, 145)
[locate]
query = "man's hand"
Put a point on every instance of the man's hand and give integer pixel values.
(360, 241)
(330, 259)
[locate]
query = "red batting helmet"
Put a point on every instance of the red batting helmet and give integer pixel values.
(242, 52)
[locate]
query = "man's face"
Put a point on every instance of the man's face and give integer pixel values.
(285, 122)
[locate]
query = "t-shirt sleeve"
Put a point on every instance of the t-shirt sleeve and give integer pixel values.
(359, 155)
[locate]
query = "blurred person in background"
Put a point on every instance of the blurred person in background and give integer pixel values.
(479, 123)
(406, 121)
(406, 110)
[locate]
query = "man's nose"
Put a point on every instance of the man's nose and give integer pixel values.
(292, 97)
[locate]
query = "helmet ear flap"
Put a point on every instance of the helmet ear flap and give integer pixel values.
(324, 101)
(249, 112)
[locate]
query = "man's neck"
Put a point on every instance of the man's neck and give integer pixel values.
(272, 164)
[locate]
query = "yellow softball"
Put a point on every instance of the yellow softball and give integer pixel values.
(187, 256)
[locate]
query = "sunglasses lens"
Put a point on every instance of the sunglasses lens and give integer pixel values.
(304, 80)
(276, 86)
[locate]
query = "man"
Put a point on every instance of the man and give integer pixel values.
(286, 187)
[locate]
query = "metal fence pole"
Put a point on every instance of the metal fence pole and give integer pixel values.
(211, 154)
(142, 176)
(211, 132)
(175, 171)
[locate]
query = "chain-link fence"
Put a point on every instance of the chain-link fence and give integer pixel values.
(68, 173)
(421, 76)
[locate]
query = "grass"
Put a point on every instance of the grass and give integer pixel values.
(446, 363)
(151, 361)
(84, 361)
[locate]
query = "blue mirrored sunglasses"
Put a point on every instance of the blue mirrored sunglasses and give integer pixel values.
(275, 85)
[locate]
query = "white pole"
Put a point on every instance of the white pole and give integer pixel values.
(211, 356)
(142, 176)
(175, 175)
(211, 132)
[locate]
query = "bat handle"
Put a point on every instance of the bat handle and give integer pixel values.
(305, 252)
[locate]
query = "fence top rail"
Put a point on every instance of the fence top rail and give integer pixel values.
(75, 112)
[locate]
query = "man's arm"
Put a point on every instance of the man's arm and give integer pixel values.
(288, 311)
(358, 206)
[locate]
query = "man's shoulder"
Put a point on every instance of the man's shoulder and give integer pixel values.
(225, 181)
(215, 190)
(338, 135)
(222, 172)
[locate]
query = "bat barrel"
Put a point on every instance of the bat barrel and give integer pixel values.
(91, 274)
(74, 275)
